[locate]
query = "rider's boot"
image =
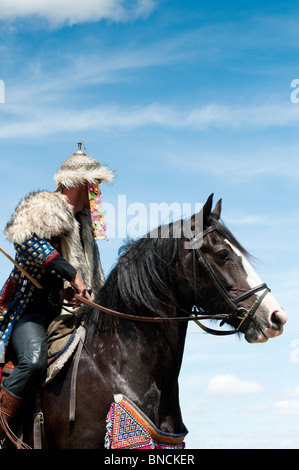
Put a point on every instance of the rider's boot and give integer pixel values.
(9, 405)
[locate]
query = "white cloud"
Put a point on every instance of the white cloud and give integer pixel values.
(72, 12)
(109, 117)
(228, 384)
(106, 118)
(286, 407)
(234, 117)
(240, 164)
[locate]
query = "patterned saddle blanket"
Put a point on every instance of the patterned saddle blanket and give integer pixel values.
(127, 427)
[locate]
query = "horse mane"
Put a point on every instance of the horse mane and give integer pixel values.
(143, 281)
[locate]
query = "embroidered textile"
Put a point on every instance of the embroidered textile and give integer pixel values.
(96, 211)
(128, 428)
(33, 254)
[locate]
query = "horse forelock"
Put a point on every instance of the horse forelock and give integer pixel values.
(226, 233)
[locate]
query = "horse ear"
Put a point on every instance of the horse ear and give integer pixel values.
(217, 211)
(207, 208)
(199, 220)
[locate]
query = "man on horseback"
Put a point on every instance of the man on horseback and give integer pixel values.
(54, 238)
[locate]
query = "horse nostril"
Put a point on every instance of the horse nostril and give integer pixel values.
(276, 320)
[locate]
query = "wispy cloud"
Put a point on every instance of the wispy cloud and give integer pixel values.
(286, 407)
(58, 12)
(239, 163)
(231, 385)
(50, 75)
(36, 103)
(48, 120)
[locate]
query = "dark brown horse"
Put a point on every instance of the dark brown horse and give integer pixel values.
(157, 276)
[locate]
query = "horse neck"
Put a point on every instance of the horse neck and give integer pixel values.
(142, 361)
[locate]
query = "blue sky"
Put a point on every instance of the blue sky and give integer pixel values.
(181, 98)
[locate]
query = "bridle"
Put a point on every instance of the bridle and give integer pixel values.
(236, 312)
(241, 313)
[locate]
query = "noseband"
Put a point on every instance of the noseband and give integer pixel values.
(236, 312)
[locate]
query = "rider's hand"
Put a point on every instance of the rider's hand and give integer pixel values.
(80, 288)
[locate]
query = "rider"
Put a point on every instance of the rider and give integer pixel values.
(54, 238)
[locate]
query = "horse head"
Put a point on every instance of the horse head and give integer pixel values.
(225, 281)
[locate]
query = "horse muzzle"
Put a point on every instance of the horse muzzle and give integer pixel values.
(272, 326)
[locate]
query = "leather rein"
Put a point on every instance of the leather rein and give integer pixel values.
(240, 313)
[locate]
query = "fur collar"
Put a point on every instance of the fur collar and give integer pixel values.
(47, 214)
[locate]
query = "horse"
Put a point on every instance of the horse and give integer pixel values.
(199, 265)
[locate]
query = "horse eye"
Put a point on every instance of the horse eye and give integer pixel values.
(223, 255)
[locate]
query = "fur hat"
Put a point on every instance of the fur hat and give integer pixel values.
(79, 168)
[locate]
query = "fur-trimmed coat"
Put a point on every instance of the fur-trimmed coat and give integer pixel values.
(48, 215)
(42, 222)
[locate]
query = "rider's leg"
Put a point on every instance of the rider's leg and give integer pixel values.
(29, 341)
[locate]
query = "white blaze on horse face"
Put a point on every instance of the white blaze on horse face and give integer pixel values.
(276, 315)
